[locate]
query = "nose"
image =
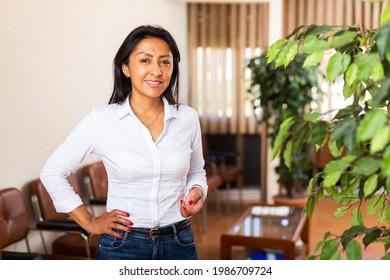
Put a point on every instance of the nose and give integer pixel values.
(157, 69)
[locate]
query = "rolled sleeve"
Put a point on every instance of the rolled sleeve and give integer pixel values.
(65, 158)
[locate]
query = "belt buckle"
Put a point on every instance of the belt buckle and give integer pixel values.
(153, 233)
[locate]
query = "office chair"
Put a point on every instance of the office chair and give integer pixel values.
(229, 172)
(75, 240)
(96, 183)
(14, 227)
(14, 224)
(214, 182)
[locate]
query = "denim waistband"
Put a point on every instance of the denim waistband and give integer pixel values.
(163, 231)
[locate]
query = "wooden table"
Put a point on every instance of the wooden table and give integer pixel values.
(263, 227)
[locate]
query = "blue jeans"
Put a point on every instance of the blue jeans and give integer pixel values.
(179, 245)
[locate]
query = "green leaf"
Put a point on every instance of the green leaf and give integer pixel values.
(350, 185)
(315, 30)
(371, 123)
(348, 91)
(337, 165)
(387, 185)
(375, 205)
(282, 136)
(350, 234)
(334, 150)
(295, 31)
(353, 250)
(340, 211)
(312, 116)
(331, 179)
(319, 133)
(377, 72)
(385, 166)
(386, 257)
(335, 256)
(310, 185)
(357, 218)
(351, 76)
(287, 54)
(313, 59)
(335, 67)
(387, 213)
(380, 139)
(349, 110)
(345, 130)
(329, 249)
(381, 216)
(385, 16)
(287, 155)
(383, 40)
(365, 64)
(309, 206)
(346, 62)
(312, 45)
(370, 185)
(366, 166)
(371, 237)
(274, 49)
(343, 39)
(381, 93)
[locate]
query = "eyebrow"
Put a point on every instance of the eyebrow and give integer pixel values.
(148, 54)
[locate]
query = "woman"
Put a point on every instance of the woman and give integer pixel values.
(151, 148)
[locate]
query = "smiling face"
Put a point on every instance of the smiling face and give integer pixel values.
(150, 67)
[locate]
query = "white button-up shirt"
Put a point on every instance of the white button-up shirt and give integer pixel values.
(145, 178)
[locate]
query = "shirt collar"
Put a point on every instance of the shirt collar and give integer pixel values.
(124, 109)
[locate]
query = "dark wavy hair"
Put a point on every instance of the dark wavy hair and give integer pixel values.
(122, 85)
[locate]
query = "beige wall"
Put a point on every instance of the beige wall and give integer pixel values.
(55, 64)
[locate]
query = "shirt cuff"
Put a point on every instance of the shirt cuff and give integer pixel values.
(199, 187)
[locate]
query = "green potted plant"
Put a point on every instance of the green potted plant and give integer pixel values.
(278, 93)
(359, 133)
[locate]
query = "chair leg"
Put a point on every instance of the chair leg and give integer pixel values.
(27, 244)
(219, 207)
(240, 195)
(87, 245)
(204, 217)
(43, 242)
(229, 201)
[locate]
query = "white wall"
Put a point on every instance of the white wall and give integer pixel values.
(56, 63)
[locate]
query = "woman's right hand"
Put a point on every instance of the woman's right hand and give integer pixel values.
(108, 221)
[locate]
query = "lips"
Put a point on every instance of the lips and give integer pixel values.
(153, 83)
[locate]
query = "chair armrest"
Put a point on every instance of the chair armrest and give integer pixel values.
(97, 201)
(8, 255)
(68, 226)
(223, 156)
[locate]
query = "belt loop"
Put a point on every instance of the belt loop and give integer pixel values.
(174, 229)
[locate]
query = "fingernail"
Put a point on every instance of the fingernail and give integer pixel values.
(128, 215)
(131, 223)
(122, 236)
(190, 202)
(128, 229)
(181, 201)
(185, 208)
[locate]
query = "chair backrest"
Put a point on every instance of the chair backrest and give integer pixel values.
(205, 145)
(96, 180)
(42, 202)
(13, 216)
